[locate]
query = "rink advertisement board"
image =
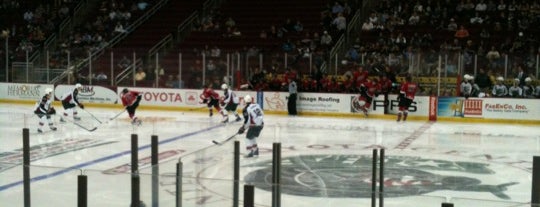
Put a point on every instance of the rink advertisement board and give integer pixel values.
(18, 91)
(491, 108)
(419, 106)
(88, 93)
(176, 97)
(167, 97)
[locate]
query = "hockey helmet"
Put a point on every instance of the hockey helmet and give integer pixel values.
(48, 90)
(500, 78)
(78, 85)
(125, 90)
(471, 77)
(516, 80)
(466, 77)
(528, 79)
(248, 99)
(224, 86)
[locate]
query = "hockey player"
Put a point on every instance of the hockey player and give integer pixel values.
(475, 92)
(466, 87)
(130, 100)
(230, 102)
(368, 90)
(499, 89)
(211, 99)
(44, 110)
(406, 97)
(528, 88)
(70, 101)
(254, 123)
(515, 90)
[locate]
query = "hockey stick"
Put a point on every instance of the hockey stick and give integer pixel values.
(117, 115)
(93, 116)
(81, 126)
(226, 140)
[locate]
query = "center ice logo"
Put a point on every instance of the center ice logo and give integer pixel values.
(349, 176)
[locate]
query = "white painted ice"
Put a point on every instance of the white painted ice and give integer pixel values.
(324, 159)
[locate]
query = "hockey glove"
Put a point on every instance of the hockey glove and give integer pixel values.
(205, 101)
(241, 130)
(51, 111)
(81, 105)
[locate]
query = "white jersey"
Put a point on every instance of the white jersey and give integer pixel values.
(71, 97)
(499, 90)
(230, 96)
(253, 115)
(515, 91)
(43, 105)
(466, 88)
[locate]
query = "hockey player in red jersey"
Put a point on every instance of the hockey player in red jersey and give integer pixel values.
(211, 99)
(44, 110)
(406, 97)
(70, 101)
(130, 100)
(368, 91)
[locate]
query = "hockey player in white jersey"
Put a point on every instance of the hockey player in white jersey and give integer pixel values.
(528, 89)
(70, 101)
(44, 110)
(515, 90)
(254, 123)
(230, 103)
(499, 89)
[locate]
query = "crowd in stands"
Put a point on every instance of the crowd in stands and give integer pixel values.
(31, 23)
(482, 34)
(111, 18)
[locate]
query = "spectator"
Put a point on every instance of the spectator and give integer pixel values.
(340, 22)
(452, 26)
(178, 83)
(140, 75)
(462, 33)
(101, 76)
(326, 40)
(169, 83)
(124, 62)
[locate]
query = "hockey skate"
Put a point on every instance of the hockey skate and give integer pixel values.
(62, 119)
(253, 153)
(39, 131)
(238, 119)
(52, 128)
(76, 118)
(225, 120)
(211, 114)
(136, 122)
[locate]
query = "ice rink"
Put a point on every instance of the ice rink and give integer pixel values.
(326, 161)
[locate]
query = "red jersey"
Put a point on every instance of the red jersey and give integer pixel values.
(360, 77)
(129, 98)
(386, 85)
(209, 93)
(409, 89)
(371, 88)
